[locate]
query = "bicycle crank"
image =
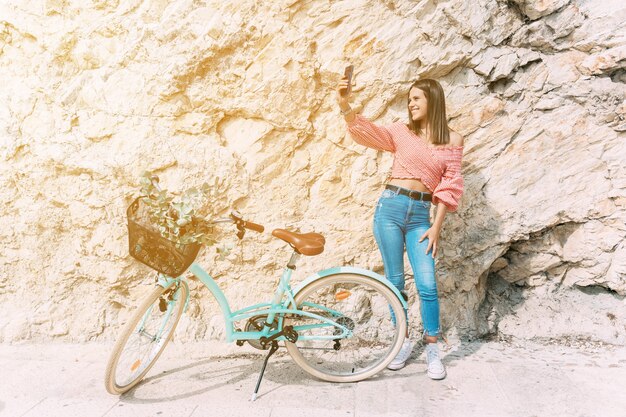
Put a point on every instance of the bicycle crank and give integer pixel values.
(255, 324)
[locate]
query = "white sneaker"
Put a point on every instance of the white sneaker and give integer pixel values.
(436, 370)
(402, 356)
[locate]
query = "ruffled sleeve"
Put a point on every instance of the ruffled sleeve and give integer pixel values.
(450, 189)
(371, 135)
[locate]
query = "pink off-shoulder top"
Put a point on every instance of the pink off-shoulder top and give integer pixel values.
(437, 167)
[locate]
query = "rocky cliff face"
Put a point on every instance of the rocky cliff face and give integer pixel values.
(240, 95)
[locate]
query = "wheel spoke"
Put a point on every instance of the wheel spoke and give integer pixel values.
(144, 338)
(359, 304)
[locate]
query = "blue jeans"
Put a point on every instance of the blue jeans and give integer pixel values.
(399, 222)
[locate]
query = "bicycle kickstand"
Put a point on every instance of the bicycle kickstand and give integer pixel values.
(273, 349)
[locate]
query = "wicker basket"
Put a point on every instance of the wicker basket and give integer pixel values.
(150, 248)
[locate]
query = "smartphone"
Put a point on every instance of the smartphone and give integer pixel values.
(348, 74)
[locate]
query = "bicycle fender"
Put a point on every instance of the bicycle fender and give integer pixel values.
(352, 270)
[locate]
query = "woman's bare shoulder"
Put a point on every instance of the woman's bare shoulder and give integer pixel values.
(456, 139)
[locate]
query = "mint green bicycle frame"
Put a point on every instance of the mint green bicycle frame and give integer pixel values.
(282, 304)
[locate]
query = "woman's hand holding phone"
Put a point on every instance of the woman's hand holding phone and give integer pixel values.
(347, 75)
(344, 91)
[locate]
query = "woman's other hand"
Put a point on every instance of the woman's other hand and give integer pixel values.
(433, 240)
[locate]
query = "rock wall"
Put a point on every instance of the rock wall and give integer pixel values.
(240, 95)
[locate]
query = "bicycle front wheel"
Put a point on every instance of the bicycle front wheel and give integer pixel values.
(144, 337)
(366, 307)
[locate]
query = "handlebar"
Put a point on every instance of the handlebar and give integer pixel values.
(243, 224)
(253, 226)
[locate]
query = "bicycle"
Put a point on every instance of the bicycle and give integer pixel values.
(342, 324)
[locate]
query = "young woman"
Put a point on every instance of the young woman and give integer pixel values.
(426, 169)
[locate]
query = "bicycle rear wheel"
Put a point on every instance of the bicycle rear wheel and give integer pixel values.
(144, 337)
(359, 303)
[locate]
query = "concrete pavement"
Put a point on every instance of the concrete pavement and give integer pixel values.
(192, 380)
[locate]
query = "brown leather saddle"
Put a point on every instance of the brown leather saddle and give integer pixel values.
(309, 244)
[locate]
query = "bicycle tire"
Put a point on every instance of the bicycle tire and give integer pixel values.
(150, 343)
(365, 305)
